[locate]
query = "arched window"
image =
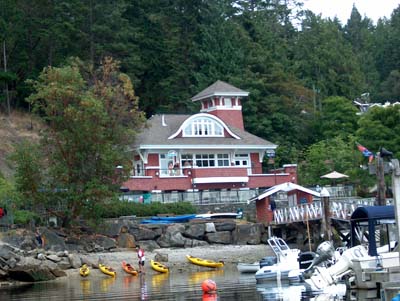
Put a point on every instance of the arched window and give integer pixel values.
(203, 126)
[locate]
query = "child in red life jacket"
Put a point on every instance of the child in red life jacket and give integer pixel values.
(142, 259)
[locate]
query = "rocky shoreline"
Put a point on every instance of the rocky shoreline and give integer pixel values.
(64, 251)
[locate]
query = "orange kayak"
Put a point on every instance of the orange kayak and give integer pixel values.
(129, 268)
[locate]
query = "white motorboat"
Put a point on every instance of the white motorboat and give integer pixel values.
(364, 268)
(255, 266)
(291, 263)
(286, 261)
(248, 267)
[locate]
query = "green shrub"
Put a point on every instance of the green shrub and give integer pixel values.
(23, 217)
(118, 208)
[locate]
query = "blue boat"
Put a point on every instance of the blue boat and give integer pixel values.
(169, 219)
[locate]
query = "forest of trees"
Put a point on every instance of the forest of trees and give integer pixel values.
(302, 71)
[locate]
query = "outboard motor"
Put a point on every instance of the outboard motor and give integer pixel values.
(325, 252)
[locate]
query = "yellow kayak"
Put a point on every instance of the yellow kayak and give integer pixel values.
(159, 267)
(205, 262)
(84, 270)
(107, 270)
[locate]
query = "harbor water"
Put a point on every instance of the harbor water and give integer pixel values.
(231, 285)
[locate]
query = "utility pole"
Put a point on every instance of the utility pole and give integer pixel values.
(380, 175)
(326, 223)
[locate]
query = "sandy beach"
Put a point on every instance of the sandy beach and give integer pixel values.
(230, 254)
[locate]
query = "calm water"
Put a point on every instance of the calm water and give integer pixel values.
(231, 286)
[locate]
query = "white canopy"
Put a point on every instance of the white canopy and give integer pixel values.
(334, 175)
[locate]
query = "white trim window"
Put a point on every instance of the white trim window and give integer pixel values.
(242, 160)
(203, 127)
(223, 160)
(138, 168)
(228, 102)
(205, 160)
(187, 160)
(169, 166)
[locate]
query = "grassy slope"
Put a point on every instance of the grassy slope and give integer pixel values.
(14, 129)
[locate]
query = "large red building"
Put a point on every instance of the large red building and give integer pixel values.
(206, 151)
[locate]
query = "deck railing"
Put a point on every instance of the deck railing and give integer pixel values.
(298, 213)
(339, 209)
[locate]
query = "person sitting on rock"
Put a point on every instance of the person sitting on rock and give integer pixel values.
(39, 238)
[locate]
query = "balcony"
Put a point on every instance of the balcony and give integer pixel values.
(205, 178)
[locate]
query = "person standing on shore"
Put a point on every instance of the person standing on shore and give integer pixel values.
(141, 257)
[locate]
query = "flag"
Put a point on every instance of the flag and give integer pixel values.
(365, 152)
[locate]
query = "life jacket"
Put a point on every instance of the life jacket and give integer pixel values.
(140, 253)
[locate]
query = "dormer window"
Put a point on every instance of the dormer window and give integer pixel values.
(203, 126)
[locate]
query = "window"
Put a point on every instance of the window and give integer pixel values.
(205, 160)
(169, 166)
(223, 160)
(242, 160)
(228, 102)
(138, 169)
(203, 127)
(187, 160)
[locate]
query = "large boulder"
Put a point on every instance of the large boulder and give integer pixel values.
(7, 251)
(223, 237)
(172, 239)
(52, 240)
(148, 245)
(144, 233)
(228, 225)
(105, 242)
(75, 260)
(247, 234)
(31, 274)
(126, 240)
(196, 231)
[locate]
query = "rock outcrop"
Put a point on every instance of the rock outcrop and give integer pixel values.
(23, 259)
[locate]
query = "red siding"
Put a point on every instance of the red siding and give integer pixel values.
(256, 167)
(263, 214)
(230, 117)
(219, 172)
(185, 183)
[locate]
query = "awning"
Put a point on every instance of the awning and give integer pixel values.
(220, 180)
(373, 215)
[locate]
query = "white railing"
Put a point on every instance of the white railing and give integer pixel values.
(298, 213)
(343, 209)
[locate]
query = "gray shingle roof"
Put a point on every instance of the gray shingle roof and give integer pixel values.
(156, 135)
(219, 88)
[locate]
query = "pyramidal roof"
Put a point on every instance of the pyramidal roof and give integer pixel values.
(219, 88)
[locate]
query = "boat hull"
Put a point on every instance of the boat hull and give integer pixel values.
(129, 269)
(205, 262)
(159, 267)
(107, 270)
(248, 267)
(84, 270)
